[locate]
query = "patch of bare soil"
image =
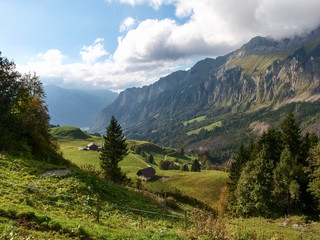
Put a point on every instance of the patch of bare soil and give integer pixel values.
(56, 173)
(259, 127)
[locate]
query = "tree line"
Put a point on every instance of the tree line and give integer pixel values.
(278, 174)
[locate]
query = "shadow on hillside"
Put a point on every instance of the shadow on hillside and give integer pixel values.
(155, 179)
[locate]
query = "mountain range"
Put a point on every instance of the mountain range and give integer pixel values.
(75, 107)
(221, 102)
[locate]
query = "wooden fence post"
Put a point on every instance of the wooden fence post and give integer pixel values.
(165, 202)
(185, 220)
(98, 208)
(141, 222)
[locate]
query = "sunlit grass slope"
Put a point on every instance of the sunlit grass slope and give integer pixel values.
(204, 186)
(64, 207)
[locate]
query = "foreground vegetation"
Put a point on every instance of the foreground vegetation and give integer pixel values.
(44, 195)
(65, 207)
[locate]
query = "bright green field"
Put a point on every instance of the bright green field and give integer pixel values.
(198, 119)
(208, 128)
(204, 186)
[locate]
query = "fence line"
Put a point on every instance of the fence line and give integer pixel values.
(145, 211)
(65, 204)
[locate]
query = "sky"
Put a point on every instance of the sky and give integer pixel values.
(117, 44)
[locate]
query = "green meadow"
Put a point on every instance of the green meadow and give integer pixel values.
(81, 205)
(208, 128)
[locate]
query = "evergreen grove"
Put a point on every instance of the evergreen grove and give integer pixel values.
(277, 175)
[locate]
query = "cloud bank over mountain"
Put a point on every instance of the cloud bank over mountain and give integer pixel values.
(150, 48)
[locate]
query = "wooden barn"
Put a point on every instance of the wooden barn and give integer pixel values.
(146, 173)
(92, 147)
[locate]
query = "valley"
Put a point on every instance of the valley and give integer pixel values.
(65, 207)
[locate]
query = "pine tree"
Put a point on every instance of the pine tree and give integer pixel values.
(151, 159)
(295, 152)
(184, 167)
(237, 165)
(195, 167)
(291, 135)
(113, 151)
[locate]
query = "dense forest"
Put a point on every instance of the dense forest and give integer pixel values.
(278, 174)
(24, 122)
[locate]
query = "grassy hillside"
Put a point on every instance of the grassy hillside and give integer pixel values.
(198, 119)
(208, 128)
(64, 207)
(204, 186)
(187, 183)
(68, 133)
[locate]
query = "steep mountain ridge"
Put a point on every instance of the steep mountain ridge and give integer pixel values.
(262, 74)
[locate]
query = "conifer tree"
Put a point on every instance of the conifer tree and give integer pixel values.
(184, 167)
(151, 159)
(113, 151)
(237, 165)
(195, 167)
(291, 135)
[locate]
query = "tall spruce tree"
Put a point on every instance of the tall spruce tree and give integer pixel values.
(291, 135)
(237, 165)
(195, 167)
(113, 151)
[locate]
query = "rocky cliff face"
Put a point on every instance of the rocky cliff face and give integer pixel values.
(263, 73)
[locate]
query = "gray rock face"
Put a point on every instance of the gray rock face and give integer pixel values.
(264, 72)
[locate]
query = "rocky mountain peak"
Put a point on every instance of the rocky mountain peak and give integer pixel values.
(266, 45)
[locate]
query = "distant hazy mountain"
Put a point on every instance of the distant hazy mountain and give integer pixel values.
(258, 82)
(75, 107)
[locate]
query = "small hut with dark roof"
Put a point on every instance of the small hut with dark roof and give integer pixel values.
(93, 147)
(146, 173)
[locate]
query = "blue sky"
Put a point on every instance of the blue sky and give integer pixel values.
(117, 44)
(35, 26)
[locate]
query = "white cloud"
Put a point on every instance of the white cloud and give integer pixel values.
(155, 47)
(108, 73)
(52, 57)
(92, 53)
(126, 24)
(215, 27)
